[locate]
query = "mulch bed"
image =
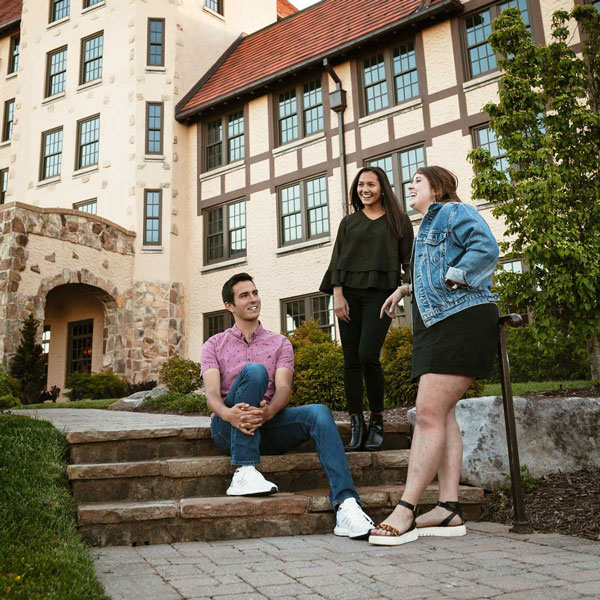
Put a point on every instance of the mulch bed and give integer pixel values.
(592, 391)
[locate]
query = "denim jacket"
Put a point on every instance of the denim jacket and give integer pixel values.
(455, 243)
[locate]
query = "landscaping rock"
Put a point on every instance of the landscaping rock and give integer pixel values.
(137, 399)
(554, 435)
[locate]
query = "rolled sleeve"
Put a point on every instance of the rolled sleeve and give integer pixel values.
(208, 356)
(286, 356)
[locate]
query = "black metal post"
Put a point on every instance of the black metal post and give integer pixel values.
(520, 522)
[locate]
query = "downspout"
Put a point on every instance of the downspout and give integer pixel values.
(337, 103)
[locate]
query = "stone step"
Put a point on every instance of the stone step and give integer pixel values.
(126, 445)
(223, 518)
(208, 476)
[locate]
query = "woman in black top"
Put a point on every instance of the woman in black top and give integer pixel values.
(370, 259)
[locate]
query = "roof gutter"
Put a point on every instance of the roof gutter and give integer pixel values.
(446, 6)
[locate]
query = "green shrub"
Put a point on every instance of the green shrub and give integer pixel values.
(181, 375)
(566, 358)
(96, 386)
(318, 368)
(175, 402)
(8, 401)
(9, 387)
(528, 481)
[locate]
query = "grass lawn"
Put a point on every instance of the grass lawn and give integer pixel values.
(103, 403)
(519, 389)
(42, 554)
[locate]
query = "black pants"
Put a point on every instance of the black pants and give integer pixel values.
(362, 340)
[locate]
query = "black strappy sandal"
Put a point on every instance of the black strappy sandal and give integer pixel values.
(444, 529)
(397, 538)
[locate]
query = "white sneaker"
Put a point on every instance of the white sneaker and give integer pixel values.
(351, 521)
(247, 481)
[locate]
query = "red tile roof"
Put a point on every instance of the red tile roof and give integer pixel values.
(305, 37)
(285, 9)
(10, 10)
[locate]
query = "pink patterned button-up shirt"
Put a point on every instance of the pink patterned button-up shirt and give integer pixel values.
(230, 353)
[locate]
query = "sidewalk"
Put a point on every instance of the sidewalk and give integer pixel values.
(489, 563)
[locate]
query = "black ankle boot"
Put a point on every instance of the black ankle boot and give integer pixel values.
(375, 433)
(359, 432)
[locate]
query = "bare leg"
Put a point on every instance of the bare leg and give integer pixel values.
(436, 398)
(448, 474)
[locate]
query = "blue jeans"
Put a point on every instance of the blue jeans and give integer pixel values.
(286, 429)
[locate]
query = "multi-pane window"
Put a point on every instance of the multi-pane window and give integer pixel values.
(152, 217)
(297, 310)
(156, 43)
(225, 140)
(3, 184)
(52, 142)
(88, 134)
(88, 3)
(154, 128)
(59, 9)
(56, 72)
(486, 138)
(395, 70)
(303, 211)
(46, 339)
(7, 125)
(400, 168)
(91, 58)
(80, 346)
(511, 266)
(214, 5)
(480, 56)
(217, 322)
(225, 232)
(300, 111)
(88, 206)
(13, 56)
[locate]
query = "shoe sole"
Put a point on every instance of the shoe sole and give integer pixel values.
(235, 492)
(340, 531)
(394, 540)
(456, 531)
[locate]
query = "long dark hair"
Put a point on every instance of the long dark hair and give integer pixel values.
(393, 209)
(443, 183)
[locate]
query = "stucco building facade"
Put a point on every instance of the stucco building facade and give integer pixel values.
(156, 148)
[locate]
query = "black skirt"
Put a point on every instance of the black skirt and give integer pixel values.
(465, 343)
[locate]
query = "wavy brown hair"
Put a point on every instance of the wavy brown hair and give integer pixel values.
(443, 183)
(393, 209)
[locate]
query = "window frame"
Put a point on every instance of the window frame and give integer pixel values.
(83, 62)
(388, 55)
(476, 144)
(149, 42)
(7, 123)
(45, 134)
(70, 339)
(91, 202)
(13, 57)
(49, 75)
(225, 232)
(308, 312)
(145, 241)
(220, 10)
(227, 318)
(148, 129)
(90, 3)
(224, 120)
(299, 92)
(3, 185)
(79, 146)
(304, 210)
(52, 18)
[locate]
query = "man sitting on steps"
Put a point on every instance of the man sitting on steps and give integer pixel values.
(247, 373)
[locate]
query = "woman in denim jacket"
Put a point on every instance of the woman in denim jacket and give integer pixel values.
(455, 336)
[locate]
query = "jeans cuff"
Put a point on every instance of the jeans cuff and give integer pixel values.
(244, 463)
(336, 503)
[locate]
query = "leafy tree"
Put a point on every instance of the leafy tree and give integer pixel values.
(547, 121)
(28, 363)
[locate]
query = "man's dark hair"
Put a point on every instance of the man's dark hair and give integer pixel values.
(227, 292)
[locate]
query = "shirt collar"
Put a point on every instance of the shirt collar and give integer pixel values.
(255, 334)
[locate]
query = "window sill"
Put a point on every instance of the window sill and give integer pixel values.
(54, 98)
(224, 170)
(300, 143)
(397, 109)
(214, 13)
(478, 82)
(324, 241)
(152, 249)
(58, 22)
(154, 157)
(155, 69)
(90, 84)
(90, 9)
(49, 181)
(12, 75)
(225, 264)
(5, 143)
(85, 171)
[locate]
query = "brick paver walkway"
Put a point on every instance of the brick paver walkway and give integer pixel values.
(489, 563)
